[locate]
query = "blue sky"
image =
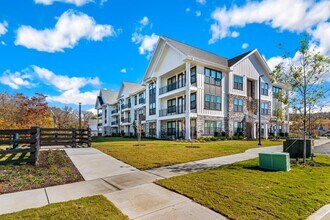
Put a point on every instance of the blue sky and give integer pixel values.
(69, 49)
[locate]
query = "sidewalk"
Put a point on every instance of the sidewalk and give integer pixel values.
(130, 190)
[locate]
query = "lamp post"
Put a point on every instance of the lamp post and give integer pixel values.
(260, 109)
(79, 115)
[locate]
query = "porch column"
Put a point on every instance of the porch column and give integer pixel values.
(158, 85)
(187, 102)
(254, 131)
(266, 131)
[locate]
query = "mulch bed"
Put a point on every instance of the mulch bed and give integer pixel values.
(54, 167)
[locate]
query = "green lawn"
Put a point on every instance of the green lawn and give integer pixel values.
(158, 153)
(242, 191)
(95, 207)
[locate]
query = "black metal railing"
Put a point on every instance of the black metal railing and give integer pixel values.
(128, 105)
(173, 86)
(114, 111)
(114, 123)
(172, 110)
(142, 100)
(99, 115)
(172, 133)
(127, 120)
(99, 124)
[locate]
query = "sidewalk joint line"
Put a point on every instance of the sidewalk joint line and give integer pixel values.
(155, 174)
(46, 195)
(118, 188)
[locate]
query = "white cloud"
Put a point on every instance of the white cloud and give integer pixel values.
(234, 34)
(203, 2)
(64, 82)
(3, 43)
(292, 15)
(147, 42)
(71, 27)
(274, 61)
(245, 45)
(17, 80)
(144, 21)
(75, 2)
(198, 13)
(188, 9)
(73, 96)
(102, 2)
(124, 70)
(3, 28)
(322, 35)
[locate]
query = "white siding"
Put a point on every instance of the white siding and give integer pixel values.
(169, 60)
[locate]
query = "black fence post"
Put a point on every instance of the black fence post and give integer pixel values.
(74, 138)
(89, 141)
(35, 143)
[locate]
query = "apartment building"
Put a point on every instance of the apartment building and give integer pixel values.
(190, 92)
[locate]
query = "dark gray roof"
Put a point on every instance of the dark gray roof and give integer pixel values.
(234, 60)
(108, 96)
(196, 52)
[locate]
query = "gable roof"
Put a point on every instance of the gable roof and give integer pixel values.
(196, 52)
(131, 87)
(108, 96)
(234, 60)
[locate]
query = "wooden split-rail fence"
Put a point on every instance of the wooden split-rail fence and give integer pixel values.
(22, 145)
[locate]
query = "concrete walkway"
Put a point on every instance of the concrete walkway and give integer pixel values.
(130, 190)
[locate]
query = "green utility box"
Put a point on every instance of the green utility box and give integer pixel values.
(274, 161)
(295, 147)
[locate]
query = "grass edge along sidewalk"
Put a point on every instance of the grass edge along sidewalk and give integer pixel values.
(242, 191)
(160, 153)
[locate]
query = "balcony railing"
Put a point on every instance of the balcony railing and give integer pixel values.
(114, 123)
(114, 111)
(172, 133)
(172, 110)
(142, 117)
(142, 101)
(99, 124)
(128, 105)
(126, 120)
(173, 86)
(99, 115)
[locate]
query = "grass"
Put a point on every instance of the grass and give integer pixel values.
(158, 153)
(53, 168)
(242, 191)
(95, 207)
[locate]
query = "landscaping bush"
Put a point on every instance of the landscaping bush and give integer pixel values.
(240, 138)
(213, 138)
(223, 138)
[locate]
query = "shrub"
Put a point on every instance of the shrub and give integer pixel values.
(235, 138)
(213, 138)
(223, 138)
(240, 138)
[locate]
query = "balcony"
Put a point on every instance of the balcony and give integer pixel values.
(128, 105)
(173, 86)
(126, 120)
(172, 110)
(142, 101)
(142, 117)
(114, 123)
(114, 111)
(99, 114)
(99, 124)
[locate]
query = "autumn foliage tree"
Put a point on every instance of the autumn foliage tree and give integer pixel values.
(19, 111)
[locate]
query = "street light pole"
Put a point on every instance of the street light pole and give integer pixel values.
(79, 115)
(260, 109)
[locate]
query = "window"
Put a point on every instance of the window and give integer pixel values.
(193, 75)
(171, 106)
(193, 101)
(105, 116)
(238, 82)
(264, 108)
(264, 89)
(207, 101)
(238, 105)
(171, 128)
(141, 98)
(213, 77)
(152, 129)
(276, 90)
(152, 98)
(212, 102)
(135, 100)
(238, 128)
(181, 80)
(210, 127)
(171, 83)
